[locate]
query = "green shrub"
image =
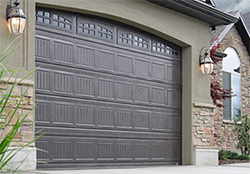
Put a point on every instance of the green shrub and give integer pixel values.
(242, 128)
(244, 157)
(233, 155)
(222, 154)
(226, 154)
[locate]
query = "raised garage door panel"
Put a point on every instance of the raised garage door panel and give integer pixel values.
(108, 94)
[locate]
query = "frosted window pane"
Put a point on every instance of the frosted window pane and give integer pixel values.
(227, 102)
(232, 61)
(236, 90)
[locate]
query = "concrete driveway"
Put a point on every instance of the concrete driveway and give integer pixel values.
(242, 168)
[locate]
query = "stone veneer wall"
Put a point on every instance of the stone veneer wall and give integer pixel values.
(203, 126)
(26, 132)
(209, 128)
(226, 138)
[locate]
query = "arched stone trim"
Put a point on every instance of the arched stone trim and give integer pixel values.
(234, 40)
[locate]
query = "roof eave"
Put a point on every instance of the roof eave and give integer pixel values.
(198, 10)
(244, 33)
(242, 30)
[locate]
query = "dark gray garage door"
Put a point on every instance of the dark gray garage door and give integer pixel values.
(108, 94)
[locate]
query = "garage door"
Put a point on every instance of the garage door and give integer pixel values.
(109, 94)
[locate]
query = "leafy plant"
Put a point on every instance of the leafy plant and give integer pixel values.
(222, 155)
(232, 155)
(226, 154)
(217, 93)
(216, 46)
(242, 129)
(10, 105)
(244, 157)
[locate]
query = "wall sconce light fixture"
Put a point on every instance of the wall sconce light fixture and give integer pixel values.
(206, 63)
(16, 18)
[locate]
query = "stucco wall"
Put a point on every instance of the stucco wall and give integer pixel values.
(24, 54)
(189, 33)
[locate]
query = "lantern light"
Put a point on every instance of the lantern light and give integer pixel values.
(16, 19)
(206, 63)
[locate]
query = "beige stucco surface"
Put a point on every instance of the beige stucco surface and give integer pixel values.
(189, 33)
(23, 56)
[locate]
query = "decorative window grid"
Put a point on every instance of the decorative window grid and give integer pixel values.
(53, 19)
(133, 40)
(87, 28)
(165, 49)
(95, 30)
(104, 32)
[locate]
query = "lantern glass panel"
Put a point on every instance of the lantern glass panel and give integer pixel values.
(16, 25)
(16, 21)
(207, 65)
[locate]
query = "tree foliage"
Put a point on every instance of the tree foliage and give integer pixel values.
(242, 129)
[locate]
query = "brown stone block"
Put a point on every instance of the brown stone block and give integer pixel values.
(200, 122)
(27, 107)
(17, 115)
(200, 132)
(27, 128)
(25, 101)
(196, 111)
(216, 118)
(194, 129)
(27, 136)
(205, 140)
(226, 136)
(16, 139)
(31, 101)
(18, 135)
(198, 142)
(205, 122)
(212, 140)
(3, 86)
(195, 119)
(13, 101)
(30, 117)
(30, 90)
(7, 129)
(212, 114)
(17, 90)
(207, 130)
(204, 113)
